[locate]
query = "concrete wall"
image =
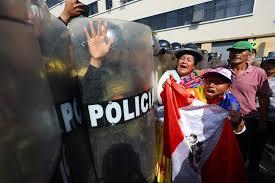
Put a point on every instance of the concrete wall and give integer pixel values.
(206, 46)
(264, 45)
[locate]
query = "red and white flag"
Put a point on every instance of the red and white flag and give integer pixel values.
(199, 140)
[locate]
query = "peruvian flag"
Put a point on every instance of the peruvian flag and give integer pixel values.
(199, 140)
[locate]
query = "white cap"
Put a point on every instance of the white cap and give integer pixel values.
(222, 71)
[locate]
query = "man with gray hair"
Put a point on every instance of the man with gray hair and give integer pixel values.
(248, 83)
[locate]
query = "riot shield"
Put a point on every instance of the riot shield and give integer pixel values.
(30, 138)
(123, 137)
(55, 44)
(15, 10)
(156, 50)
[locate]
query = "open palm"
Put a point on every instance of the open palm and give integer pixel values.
(99, 44)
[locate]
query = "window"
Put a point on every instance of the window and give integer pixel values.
(180, 16)
(51, 3)
(171, 19)
(246, 6)
(93, 8)
(162, 21)
(143, 21)
(209, 11)
(198, 13)
(109, 4)
(232, 8)
(188, 15)
(212, 10)
(220, 8)
(155, 23)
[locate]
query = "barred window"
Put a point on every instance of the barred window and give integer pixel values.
(109, 4)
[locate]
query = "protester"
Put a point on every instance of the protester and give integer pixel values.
(188, 57)
(198, 137)
(248, 83)
(216, 90)
(269, 66)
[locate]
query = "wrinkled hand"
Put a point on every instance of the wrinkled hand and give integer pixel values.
(237, 121)
(98, 43)
(71, 9)
(238, 127)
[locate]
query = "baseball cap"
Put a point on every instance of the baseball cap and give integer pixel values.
(221, 71)
(241, 45)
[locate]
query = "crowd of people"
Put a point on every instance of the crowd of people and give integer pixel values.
(244, 90)
(236, 88)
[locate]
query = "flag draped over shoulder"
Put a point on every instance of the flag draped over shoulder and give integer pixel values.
(199, 139)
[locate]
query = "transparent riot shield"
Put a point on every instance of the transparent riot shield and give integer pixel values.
(55, 44)
(30, 139)
(123, 137)
(156, 51)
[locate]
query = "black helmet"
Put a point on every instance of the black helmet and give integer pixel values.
(192, 49)
(191, 45)
(176, 46)
(212, 55)
(271, 56)
(269, 59)
(164, 46)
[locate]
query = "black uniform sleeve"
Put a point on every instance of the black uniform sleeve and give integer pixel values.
(92, 85)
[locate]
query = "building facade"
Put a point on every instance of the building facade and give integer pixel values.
(213, 24)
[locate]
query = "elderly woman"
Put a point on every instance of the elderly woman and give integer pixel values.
(185, 73)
